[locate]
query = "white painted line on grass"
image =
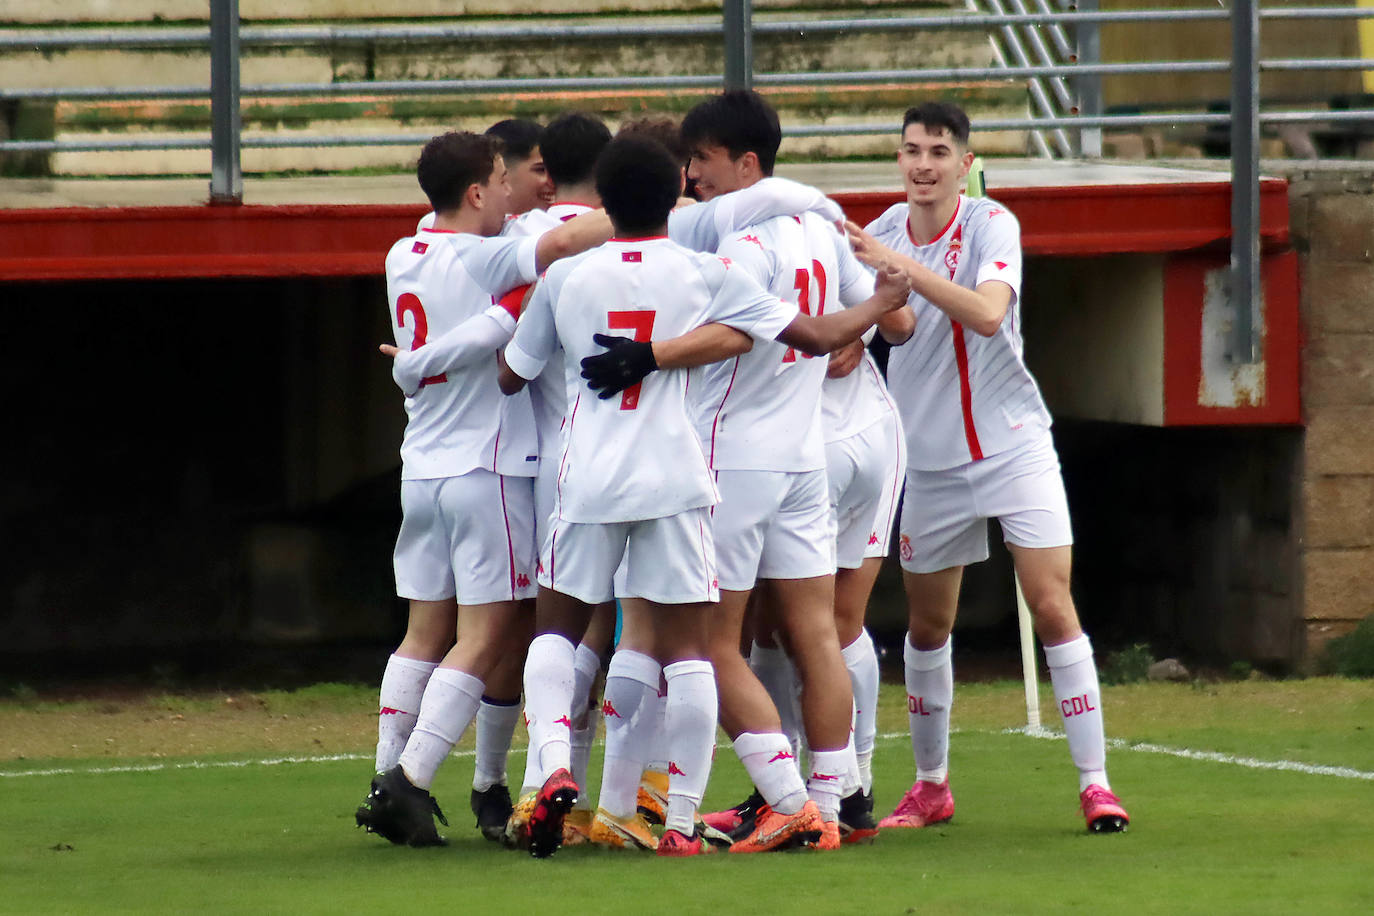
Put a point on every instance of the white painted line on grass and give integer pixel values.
(197, 765)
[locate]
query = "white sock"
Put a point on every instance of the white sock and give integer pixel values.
(587, 715)
(1073, 674)
(495, 728)
(690, 726)
(548, 702)
(532, 779)
(398, 705)
(930, 693)
(631, 714)
(775, 671)
(771, 765)
(825, 786)
(450, 703)
(658, 743)
(852, 782)
(861, 660)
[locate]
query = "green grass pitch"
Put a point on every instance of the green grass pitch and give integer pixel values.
(1208, 835)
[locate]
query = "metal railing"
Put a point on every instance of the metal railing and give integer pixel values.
(1055, 51)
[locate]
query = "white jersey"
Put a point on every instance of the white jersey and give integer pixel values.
(852, 403)
(459, 420)
(761, 411)
(547, 397)
(962, 396)
(701, 227)
(636, 455)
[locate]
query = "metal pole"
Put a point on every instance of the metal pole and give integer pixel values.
(1089, 38)
(1245, 200)
(226, 170)
(739, 44)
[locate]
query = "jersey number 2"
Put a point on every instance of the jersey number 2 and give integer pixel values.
(409, 302)
(803, 288)
(641, 324)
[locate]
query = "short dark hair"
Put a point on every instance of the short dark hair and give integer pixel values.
(945, 115)
(663, 128)
(520, 135)
(739, 120)
(570, 144)
(453, 162)
(638, 181)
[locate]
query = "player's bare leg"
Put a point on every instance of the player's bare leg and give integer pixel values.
(932, 601)
(744, 703)
(1044, 574)
(497, 718)
(806, 614)
(771, 665)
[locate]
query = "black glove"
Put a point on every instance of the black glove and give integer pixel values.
(624, 363)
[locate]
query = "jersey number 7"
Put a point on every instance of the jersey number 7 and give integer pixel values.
(641, 324)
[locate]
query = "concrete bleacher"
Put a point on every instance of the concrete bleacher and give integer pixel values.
(426, 113)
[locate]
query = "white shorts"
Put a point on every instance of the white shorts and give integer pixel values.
(470, 537)
(865, 473)
(945, 512)
(669, 560)
(773, 525)
(545, 492)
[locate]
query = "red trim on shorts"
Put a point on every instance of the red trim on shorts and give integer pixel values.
(716, 418)
(510, 543)
(975, 450)
(553, 553)
(563, 462)
(705, 566)
(897, 478)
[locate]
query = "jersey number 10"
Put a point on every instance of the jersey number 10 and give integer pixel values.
(803, 288)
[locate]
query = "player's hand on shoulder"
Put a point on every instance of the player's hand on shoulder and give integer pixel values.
(624, 363)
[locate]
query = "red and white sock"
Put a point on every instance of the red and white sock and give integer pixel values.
(825, 786)
(630, 711)
(769, 760)
(775, 671)
(861, 660)
(449, 706)
(398, 705)
(930, 693)
(690, 726)
(496, 721)
(1073, 675)
(548, 703)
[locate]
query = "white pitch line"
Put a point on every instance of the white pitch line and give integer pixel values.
(1253, 763)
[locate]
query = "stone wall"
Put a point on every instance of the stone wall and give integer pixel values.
(1333, 229)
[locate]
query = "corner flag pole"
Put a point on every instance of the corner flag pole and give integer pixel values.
(976, 188)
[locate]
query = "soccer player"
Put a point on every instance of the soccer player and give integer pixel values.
(633, 481)
(531, 186)
(978, 446)
(465, 553)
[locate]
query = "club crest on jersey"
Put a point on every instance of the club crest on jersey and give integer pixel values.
(956, 245)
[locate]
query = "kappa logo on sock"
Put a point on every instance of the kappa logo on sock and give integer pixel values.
(608, 710)
(825, 777)
(388, 711)
(673, 769)
(563, 720)
(782, 755)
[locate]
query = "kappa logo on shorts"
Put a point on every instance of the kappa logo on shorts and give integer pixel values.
(608, 710)
(872, 538)
(539, 567)
(419, 247)
(904, 548)
(522, 581)
(673, 769)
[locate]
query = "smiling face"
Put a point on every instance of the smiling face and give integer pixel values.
(715, 173)
(934, 165)
(530, 184)
(495, 197)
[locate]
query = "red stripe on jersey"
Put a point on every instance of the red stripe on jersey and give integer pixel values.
(511, 300)
(510, 543)
(716, 419)
(965, 391)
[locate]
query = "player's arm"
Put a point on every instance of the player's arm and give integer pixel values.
(980, 309)
(474, 339)
(532, 344)
(627, 361)
(573, 237)
(817, 335)
(702, 226)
